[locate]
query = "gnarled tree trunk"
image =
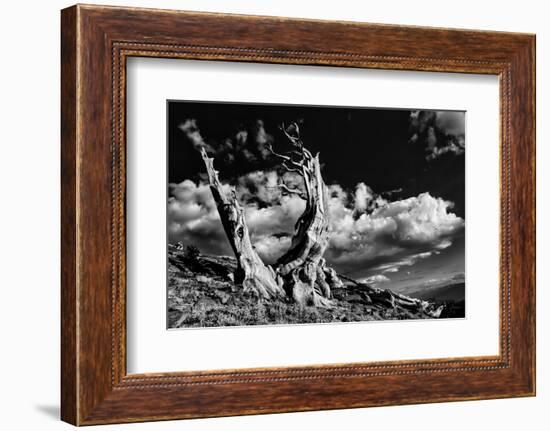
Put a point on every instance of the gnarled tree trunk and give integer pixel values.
(252, 273)
(306, 276)
(301, 273)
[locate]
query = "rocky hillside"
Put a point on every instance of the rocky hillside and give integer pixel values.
(202, 294)
(451, 292)
(453, 296)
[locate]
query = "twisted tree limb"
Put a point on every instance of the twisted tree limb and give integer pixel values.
(301, 273)
(252, 273)
(306, 277)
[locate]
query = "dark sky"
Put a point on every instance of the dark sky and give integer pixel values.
(399, 154)
(362, 144)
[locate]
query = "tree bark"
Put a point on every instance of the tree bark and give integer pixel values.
(252, 273)
(307, 279)
(301, 273)
(301, 266)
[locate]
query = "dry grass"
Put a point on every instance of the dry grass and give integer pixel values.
(202, 294)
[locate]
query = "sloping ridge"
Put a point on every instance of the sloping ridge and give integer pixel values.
(203, 286)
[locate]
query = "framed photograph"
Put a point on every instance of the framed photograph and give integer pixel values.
(266, 215)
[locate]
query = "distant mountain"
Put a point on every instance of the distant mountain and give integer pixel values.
(453, 292)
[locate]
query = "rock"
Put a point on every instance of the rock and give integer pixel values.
(366, 298)
(355, 298)
(205, 302)
(203, 279)
(206, 288)
(222, 296)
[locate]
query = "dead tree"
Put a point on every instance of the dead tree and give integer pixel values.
(252, 273)
(301, 273)
(306, 277)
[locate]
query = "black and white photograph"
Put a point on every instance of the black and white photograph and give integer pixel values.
(275, 215)
(297, 214)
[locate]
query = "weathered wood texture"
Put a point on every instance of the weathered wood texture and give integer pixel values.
(252, 273)
(95, 44)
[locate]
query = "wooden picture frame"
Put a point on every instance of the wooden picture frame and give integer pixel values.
(95, 43)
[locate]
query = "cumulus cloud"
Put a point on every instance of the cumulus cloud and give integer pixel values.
(270, 247)
(367, 231)
(440, 132)
(363, 197)
(451, 146)
(263, 187)
(193, 218)
(392, 235)
(270, 214)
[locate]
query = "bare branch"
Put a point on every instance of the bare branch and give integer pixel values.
(287, 159)
(298, 153)
(288, 190)
(295, 140)
(289, 169)
(292, 191)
